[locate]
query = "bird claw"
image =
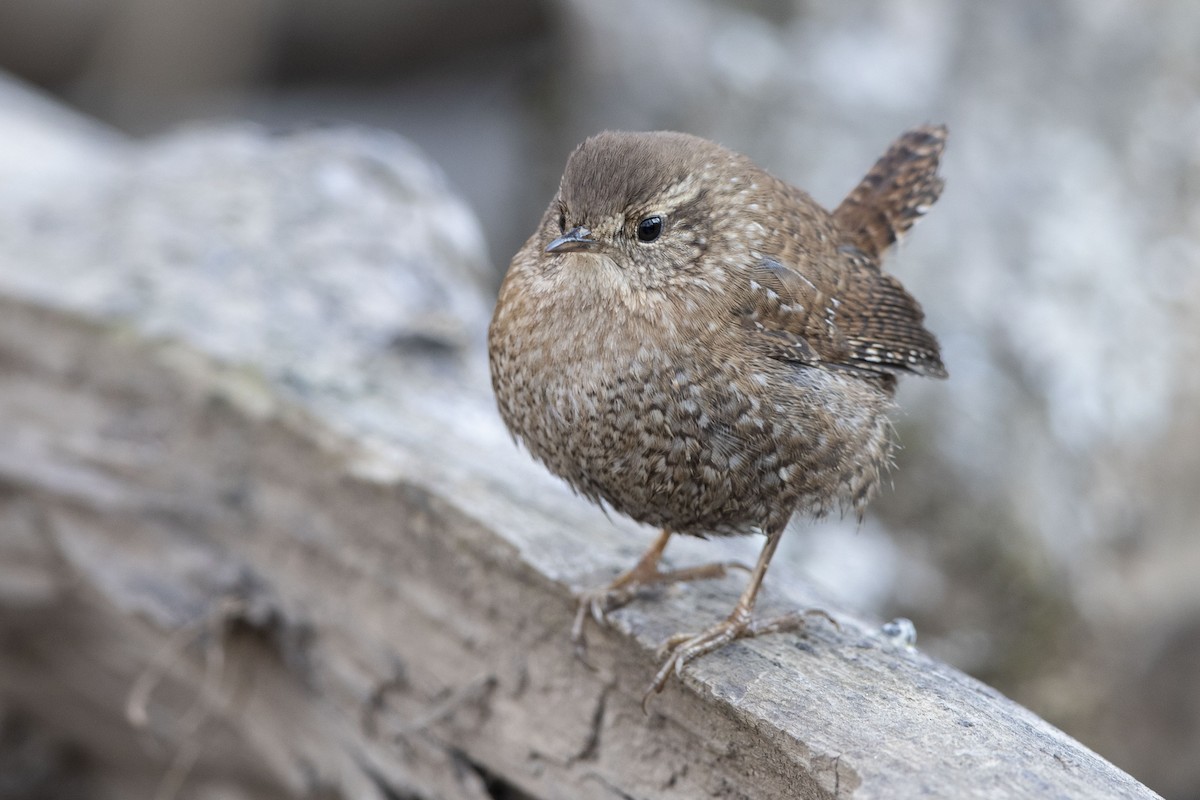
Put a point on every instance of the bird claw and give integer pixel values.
(791, 622)
(600, 603)
(594, 603)
(597, 603)
(586, 607)
(681, 648)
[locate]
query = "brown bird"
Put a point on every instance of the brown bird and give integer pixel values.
(704, 348)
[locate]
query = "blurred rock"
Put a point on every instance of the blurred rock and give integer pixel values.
(47, 146)
(452, 78)
(261, 213)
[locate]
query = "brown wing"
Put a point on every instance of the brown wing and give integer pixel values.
(790, 318)
(863, 318)
(871, 324)
(883, 324)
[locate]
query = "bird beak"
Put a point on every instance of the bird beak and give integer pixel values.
(572, 240)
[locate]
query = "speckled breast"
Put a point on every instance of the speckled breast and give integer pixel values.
(685, 434)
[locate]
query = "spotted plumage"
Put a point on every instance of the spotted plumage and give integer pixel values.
(702, 347)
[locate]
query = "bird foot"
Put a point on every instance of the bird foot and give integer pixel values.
(683, 647)
(596, 603)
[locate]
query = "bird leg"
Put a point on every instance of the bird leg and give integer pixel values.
(683, 647)
(597, 602)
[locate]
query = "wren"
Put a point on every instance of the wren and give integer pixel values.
(704, 348)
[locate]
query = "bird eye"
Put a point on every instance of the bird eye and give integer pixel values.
(650, 228)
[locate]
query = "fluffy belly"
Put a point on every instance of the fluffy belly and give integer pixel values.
(691, 447)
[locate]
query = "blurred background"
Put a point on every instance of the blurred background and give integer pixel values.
(1042, 527)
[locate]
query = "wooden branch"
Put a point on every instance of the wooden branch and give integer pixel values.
(259, 532)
